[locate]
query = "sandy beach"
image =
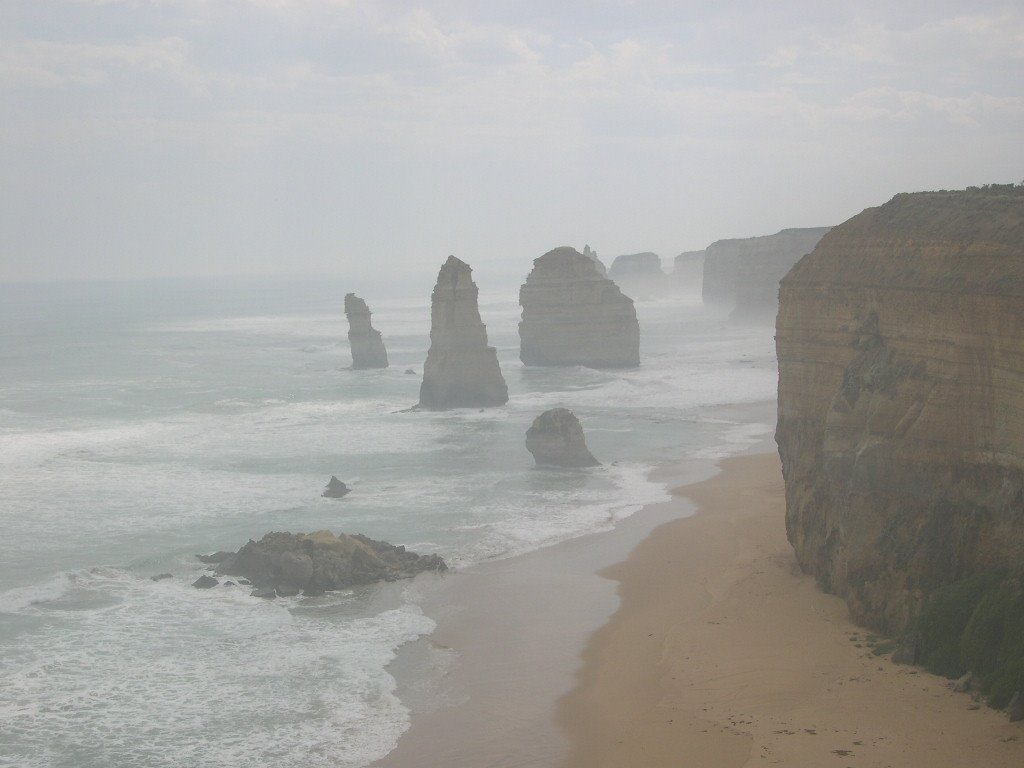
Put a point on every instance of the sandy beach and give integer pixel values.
(723, 653)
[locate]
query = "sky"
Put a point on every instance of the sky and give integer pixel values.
(155, 138)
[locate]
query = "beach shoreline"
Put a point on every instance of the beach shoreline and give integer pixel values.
(724, 653)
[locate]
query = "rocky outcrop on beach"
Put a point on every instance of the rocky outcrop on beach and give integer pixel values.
(556, 439)
(744, 273)
(687, 273)
(639, 275)
(901, 423)
(461, 370)
(335, 489)
(572, 315)
(311, 563)
(367, 347)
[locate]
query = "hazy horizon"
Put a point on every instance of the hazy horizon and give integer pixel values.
(251, 137)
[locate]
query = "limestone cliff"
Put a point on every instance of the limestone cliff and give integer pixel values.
(367, 347)
(572, 315)
(556, 439)
(639, 275)
(687, 273)
(461, 370)
(901, 400)
(744, 273)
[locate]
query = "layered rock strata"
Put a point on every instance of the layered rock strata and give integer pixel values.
(901, 400)
(367, 347)
(461, 370)
(556, 439)
(572, 315)
(312, 563)
(639, 275)
(744, 273)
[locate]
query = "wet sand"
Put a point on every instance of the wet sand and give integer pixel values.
(723, 653)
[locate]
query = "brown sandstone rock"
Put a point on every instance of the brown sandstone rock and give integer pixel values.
(367, 347)
(556, 439)
(572, 315)
(461, 371)
(901, 399)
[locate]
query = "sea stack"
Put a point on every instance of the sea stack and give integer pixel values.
(367, 347)
(900, 342)
(556, 439)
(572, 315)
(640, 275)
(461, 370)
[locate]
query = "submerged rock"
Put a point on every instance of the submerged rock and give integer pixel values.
(461, 370)
(216, 557)
(286, 564)
(556, 439)
(335, 489)
(572, 315)
(367, 347)
(205, 582)
(161, 576)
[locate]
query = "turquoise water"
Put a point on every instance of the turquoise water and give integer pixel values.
(141, 423)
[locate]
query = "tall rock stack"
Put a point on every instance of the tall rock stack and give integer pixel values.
(901, 403)
(572, 315)
(744, 273)
(592, 255)
(461, 370)
(688, 273)
(367, 347)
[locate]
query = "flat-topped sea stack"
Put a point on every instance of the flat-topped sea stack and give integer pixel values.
(461, 370)
(367, 347)
(639, 275)
(556, 440)
(901, 422)
(573, 315)
(744, 273)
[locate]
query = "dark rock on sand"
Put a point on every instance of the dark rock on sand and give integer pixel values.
(335, 489)
(556, 439)
(290, 563)
(1015, 709)
(205, 582)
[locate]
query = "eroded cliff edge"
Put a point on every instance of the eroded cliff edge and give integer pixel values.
(900, 341)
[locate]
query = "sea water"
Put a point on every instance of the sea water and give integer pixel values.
(142, 423)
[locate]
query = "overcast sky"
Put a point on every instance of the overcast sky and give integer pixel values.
(143, 138)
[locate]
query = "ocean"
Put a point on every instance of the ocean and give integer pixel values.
(144, 422)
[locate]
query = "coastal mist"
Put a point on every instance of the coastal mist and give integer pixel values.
(143, 423)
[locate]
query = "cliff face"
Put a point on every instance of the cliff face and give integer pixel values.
(574, 316)
(639, 275)
(367, 347)
(745, 273)
(461, 371)
(901, 400)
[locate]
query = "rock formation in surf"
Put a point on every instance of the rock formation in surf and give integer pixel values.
(744, 274)
(367, 348)
(461, 371)
(687, 273)
(556, 439)
(639, 275)
(311, 563)
(335, 489)
(572, 315)
(901, 422)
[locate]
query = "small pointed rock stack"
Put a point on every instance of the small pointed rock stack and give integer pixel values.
(367, 348)
(556, 439)
(461, 370)
(572, 315)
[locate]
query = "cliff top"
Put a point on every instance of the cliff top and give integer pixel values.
(962, 241)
